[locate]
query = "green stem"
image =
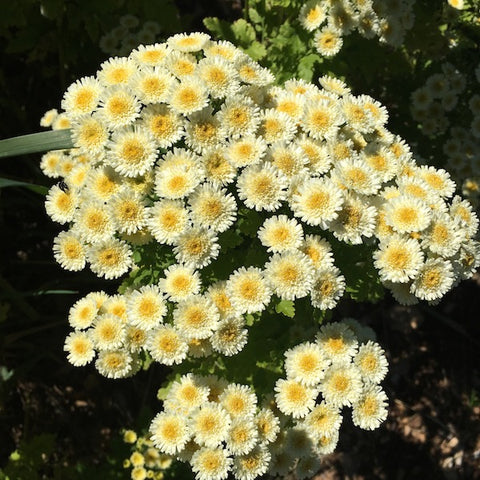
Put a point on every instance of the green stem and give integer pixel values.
(245, 10)
(36, 142)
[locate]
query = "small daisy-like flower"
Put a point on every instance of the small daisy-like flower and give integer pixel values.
(167, 219)
(238, 116)
(443, 236)
(268, 425)
(355, 220)
(135, 339)
(61, 206)
(69, 251)
(217, 292)
(381, 160)
(81, 97)
(318, 250)
(462, 211)
(83, 313)
(151, 84)
(248, 150)
(196, 247)
(93, 223)
(176, 181)
(323, 421)
(203, 131)
(316, 153)
(305, 363)
(219, 76)
(146, 307)
(312, 15)
(322, 119)
(434, 279)
(438, 180)
(118, 107)
(370, 410)
(167, 345)
(127, 209)
(80, 348)
(116, 71)
(356, 175)
(242, 437)
(280, 234)
(185, 395)
(371, 362)
(150, 55)
(253, 464)
(116, 305)
(196, 317)
(261, 187)
(290, 103)
(132, 152)
(294, 398)
(48, 118)
(218, 168)
(253, 73)
(102, 183)
(115, 363)
(326, 445)
(211, 463)
(407, 214)
(110, 259)
(230, 336)
(199, 347)
(164, 125)
(290, 274)
(317, 202)
(212, 207)
(248, 291)
(169, 432)
(89, 134)
(357, 116)
(192, 42)
(342, 385)
(398, 259)
(107, 332)
(288, 159)
(327, 288)
(276, 126)
(61, 122)
(50, 163)
(337, 342)
(180, 282)
(239, 401)
(210, 424)
(188, 96)
(328, 41)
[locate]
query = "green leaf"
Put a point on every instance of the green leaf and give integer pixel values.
(244, 32)
(6, 182)
(257, 51)
(230, 239)
(306, 66)
(36, 142)
(254, 16)
(286, 307)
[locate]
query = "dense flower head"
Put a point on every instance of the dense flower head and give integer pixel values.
(219, 197)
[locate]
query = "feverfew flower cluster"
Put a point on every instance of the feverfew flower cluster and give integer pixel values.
(145, 461)
(218, 427)
(129, 34)
(332, 20)
(116, 331)
(179, 138)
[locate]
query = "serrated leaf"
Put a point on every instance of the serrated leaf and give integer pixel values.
(286, 307)
(257, 51)
(254, 16)
(230, 239)
(306, 66)
(244, 32)
(220, 28)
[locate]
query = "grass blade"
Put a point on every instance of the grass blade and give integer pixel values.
(36, 142)
(6, 182)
